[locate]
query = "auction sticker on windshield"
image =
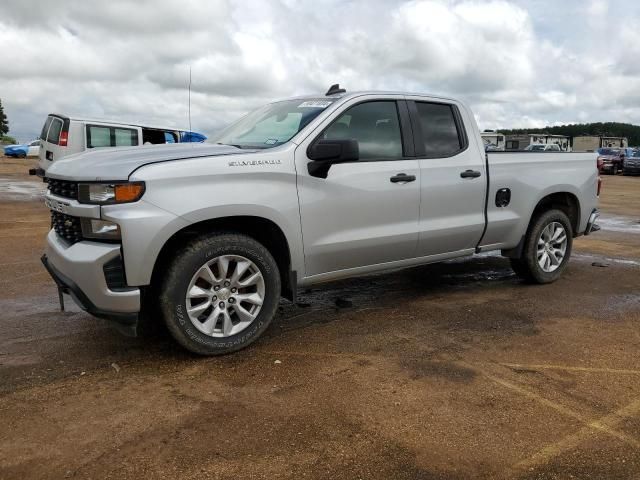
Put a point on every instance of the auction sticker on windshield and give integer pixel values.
(315, 104)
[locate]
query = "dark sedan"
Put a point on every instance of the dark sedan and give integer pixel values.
(632, 164)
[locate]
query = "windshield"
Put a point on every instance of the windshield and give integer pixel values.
(273, 124)
(609, 151)
(535, 148)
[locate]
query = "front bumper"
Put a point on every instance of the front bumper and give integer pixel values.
(608, 167)
(78, 270)
(631, 170)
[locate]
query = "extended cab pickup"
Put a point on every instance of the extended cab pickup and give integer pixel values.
(298, 192)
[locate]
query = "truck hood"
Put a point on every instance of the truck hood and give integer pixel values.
(107, 164)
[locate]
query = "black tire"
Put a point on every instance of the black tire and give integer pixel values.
(527, 266)
(22, 155)
(182, 269)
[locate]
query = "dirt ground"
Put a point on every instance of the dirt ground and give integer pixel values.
(452, 371)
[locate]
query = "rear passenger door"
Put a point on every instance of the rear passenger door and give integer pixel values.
(453, 178)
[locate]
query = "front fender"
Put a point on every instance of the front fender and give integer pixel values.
(202, 189)
(286, 219)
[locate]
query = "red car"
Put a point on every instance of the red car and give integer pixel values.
(610, 160)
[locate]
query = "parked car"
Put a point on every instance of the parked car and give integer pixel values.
(632, 164)
(296, 193)
(192, 137)
(611, 160)
(62, 136)
(489, 147)
(543, 147)
(31, 149)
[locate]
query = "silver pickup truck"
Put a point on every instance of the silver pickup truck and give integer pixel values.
(306, 190)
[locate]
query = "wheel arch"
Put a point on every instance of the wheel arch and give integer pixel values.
(263, 230)
(564, 201)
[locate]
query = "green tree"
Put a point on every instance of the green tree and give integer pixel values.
(4, 123)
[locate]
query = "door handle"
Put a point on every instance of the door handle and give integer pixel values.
(402, 178)
(470, 174)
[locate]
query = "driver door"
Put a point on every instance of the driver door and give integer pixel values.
(364, 212)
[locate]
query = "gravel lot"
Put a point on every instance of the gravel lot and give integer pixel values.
(451, 371)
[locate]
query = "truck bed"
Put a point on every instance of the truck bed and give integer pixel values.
(530, 177)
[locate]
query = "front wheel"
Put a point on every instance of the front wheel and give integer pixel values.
(547, 248)
(220, 293)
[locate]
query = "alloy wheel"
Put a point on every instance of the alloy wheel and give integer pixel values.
(225, 295)
(552, 247)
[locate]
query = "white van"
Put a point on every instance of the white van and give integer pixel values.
(62, 136)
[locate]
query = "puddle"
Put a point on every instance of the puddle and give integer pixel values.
(21, 190)
(615, 223)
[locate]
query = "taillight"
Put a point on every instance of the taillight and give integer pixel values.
(599, 185)
(599, 163)
(64, 138)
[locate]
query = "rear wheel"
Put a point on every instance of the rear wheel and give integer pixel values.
(220, 293)
(22, 155)
(547, 248)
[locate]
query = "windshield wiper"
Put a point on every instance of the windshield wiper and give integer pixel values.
(230, 145)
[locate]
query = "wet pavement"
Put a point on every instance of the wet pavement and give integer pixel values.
(449, 371)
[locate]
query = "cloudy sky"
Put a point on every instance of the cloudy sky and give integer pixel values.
(518, 63)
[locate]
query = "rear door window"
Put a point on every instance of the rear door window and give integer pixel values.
(98, 136)
(54, 131)
(45, 128)
(440, 133)
(104, 136)
(125, 137)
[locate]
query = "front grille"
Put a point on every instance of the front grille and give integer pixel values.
(66, 226)
(63, 188)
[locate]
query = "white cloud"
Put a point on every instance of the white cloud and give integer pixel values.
(518, 63)
(598, 8)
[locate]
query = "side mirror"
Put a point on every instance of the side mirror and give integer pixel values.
(325, 153)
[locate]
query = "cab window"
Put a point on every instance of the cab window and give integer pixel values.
(440, 132)
(376, 127)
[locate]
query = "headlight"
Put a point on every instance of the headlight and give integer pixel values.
(110, 193)
(100, 229)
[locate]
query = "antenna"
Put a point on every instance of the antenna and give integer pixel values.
(190, 101)
(335, 88)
